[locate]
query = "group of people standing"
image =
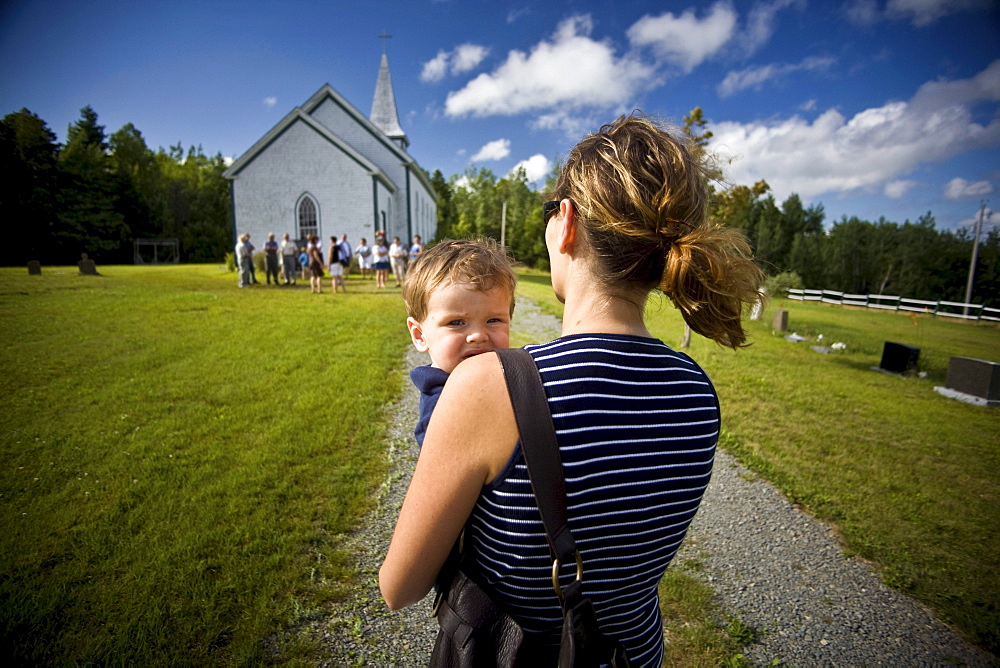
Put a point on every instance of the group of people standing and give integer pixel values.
(287, 259)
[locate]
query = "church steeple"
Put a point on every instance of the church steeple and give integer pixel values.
(384, 114)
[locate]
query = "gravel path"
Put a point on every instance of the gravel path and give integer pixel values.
(772, 566)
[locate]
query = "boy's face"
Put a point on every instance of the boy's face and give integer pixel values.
(462, 321)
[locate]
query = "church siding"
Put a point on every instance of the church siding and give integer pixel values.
(297, 162)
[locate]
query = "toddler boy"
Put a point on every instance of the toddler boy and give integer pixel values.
(459, 298)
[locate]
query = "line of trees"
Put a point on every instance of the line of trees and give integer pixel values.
(95, 194)
(912, 259)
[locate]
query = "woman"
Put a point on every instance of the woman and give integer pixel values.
(364, 252)
(335, 265)
(416, 248)
(315, 265)
(397, 256)
(381, 254)
(636, 422)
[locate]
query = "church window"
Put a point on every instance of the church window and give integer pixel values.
(308, 220)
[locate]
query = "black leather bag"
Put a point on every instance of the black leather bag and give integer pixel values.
(474, 631)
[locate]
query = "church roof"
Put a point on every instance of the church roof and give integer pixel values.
(298, 115)
(304, 113)
(384, 114)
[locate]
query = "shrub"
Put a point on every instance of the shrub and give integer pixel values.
(778, 286)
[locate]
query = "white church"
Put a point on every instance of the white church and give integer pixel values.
(326, 169)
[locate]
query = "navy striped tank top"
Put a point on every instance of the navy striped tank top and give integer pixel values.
(637, 425)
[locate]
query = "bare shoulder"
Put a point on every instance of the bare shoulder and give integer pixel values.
(479, 370)
(475, 414)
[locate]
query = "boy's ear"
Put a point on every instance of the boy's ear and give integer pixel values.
(416, 334)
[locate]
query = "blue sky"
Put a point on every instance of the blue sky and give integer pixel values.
(869, 107)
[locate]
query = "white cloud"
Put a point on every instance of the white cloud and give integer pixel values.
(462, 182)
(494, 150)
(685, 40)
(808, 105)
(958, 188)
(760, 22)
(571, 71)
(925, 12)
(436, 68)
(834, 154)
(756, 77)
(536, 168)
(461, 59)
(515, 14)
(467, 57)
(898, 189)
(270, 101)
(920, 13)
(862, 12)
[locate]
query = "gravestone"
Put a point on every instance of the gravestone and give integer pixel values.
(87, 265)
(34, 268)
(979, 378)
(780, 322)
(899, 358)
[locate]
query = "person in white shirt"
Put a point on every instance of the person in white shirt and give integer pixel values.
(289, 252)
(244, 261)
(397, 256)
(364, 252)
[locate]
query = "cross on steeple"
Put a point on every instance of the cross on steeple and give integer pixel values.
(385, 37)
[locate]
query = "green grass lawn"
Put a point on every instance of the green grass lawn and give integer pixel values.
(910, 478)
(179, 458)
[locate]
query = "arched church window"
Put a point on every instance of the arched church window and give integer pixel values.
(308, 222)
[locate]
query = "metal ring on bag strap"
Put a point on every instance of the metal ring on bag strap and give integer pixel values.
(556, 565)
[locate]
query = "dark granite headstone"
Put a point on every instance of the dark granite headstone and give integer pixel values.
(780, 323)
(979, 378)
(899, 357)
(87, 265)
(35, 268)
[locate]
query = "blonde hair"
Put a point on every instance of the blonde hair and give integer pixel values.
(641, 201)
(480, 262)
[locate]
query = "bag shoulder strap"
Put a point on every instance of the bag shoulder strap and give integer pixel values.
(538, 443)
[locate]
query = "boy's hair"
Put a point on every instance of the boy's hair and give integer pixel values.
(481, 262)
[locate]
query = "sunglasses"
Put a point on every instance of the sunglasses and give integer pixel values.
(548, 209)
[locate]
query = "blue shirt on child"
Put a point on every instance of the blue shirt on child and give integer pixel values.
(430, 381)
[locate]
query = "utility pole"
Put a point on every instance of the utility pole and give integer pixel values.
(503, 226)
(975, 256)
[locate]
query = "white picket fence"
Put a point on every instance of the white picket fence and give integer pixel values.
(895, 303)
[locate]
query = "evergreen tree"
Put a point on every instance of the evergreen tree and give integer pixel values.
(28, 196)
(89, 220)
(445, 206)
(140, 191)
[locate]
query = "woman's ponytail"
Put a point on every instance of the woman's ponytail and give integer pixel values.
(642, 203)
(709, 275)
